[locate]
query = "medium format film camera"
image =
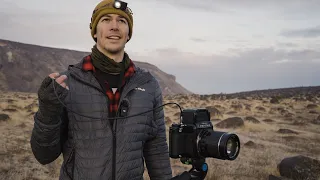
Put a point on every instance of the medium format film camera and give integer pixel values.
(194, 140)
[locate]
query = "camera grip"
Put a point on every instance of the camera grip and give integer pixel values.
(184, 176)
(176, 142)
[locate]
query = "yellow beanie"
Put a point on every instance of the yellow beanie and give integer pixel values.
(107, 7)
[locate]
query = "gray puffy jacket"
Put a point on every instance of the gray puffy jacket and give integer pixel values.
(91, 148)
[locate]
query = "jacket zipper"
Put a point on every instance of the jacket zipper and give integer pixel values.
(114, 132)
(114, 147)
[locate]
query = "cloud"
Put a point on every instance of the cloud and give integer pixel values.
(315, 60)
(46, 28)
(288, 44)
(198, 39)
(203, 5)
(260, 68)
(252, 57)
(305, 33)
(282, 61)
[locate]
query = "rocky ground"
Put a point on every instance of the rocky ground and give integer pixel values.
(279, 136)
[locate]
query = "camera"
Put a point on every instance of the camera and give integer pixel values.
(194, 138)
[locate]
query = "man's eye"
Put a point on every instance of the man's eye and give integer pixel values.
(123, 21)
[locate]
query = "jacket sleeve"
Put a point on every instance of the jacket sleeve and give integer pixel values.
(47, 139)
(156, 151)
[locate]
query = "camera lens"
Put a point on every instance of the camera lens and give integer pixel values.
(232, 147)
(220, 145)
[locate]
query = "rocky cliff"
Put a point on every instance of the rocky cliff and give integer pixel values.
(23, 67)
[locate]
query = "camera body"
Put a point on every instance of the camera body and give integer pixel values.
(184, 138)
(194, 138)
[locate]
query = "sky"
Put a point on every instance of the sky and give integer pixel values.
(211, 46)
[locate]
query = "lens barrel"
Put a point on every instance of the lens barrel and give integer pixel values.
(220, 145)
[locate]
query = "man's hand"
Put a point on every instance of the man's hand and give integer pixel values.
(59, 79)
(49, 104)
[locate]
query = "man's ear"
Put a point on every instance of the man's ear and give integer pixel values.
(95, 35)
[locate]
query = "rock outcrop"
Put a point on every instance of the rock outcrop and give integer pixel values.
(24, 66)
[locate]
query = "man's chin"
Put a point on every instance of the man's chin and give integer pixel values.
(113, 50)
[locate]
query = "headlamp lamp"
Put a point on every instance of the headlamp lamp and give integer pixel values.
(120, 5)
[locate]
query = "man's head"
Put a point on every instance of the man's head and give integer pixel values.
(111, 25)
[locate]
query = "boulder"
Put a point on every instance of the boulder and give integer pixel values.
(274, 100)
(312, 106)
(252, 119)
(316, 121)
(300, 167)
(272, 177)
(268, 120)
(213, 111)
(4, 117)
(287, 131)
(232, 122)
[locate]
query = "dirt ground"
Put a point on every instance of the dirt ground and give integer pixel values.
(263, 143)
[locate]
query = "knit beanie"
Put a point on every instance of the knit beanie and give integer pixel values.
(110, 7)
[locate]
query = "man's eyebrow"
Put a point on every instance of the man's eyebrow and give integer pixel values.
(107, 15)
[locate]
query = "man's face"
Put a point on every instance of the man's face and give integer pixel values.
(112, 33)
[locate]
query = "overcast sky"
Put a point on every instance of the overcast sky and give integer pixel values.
(211, 46)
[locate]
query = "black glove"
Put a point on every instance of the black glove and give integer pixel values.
(50, 107)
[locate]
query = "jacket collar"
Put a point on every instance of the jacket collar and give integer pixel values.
(139, 77)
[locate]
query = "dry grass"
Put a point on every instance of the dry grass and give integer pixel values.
(254, 162)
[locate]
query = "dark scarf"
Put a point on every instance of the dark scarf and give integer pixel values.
(107, 65)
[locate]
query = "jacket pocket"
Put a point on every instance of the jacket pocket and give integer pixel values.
(69, 165)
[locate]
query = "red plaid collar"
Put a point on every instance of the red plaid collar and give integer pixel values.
(88, 66)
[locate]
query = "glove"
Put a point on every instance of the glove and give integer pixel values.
(49, 105)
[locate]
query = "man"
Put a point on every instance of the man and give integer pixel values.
(93, 146)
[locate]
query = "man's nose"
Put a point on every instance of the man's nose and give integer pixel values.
(114, 24)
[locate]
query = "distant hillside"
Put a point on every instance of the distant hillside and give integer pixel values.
(281, 92)
(310, 93)
(23, 67)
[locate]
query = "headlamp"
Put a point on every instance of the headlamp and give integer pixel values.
(120, 5)
(117, 5)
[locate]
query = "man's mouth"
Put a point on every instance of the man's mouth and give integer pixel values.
(114, 37)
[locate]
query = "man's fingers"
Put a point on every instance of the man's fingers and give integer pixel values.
(61, 79)
(54, 75)
(63, 84)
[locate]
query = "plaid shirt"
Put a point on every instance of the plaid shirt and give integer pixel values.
(113, 97)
